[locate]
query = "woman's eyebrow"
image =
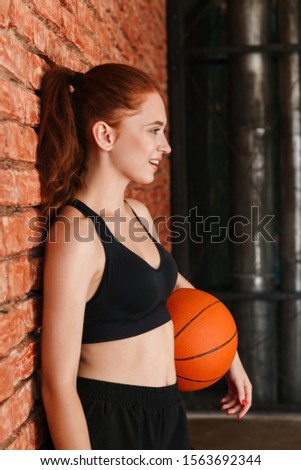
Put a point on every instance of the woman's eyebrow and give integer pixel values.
(157, 123)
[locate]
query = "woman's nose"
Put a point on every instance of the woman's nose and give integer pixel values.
(164, 146)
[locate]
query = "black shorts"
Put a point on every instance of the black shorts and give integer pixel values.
(121, 416)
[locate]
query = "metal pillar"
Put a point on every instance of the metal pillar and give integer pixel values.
(177, 98)
(252, 193)
(290, 242)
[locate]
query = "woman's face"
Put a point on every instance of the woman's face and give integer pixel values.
(141, 142)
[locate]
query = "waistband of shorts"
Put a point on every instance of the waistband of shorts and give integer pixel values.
(154, 397)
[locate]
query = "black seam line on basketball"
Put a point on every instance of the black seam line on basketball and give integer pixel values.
(192, 319)
(208, 352)
(196, 380)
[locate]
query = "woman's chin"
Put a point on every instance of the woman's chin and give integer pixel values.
(145, 180)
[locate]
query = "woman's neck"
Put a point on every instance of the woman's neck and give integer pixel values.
(103, 190)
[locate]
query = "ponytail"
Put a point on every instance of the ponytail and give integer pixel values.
(60, 155)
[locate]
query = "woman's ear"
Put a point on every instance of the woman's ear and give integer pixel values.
(104, 135)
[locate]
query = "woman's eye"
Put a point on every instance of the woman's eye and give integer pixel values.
(155, 131)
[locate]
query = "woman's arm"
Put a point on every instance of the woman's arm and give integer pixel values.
(182, 282)
(68, 270)
(238, 398)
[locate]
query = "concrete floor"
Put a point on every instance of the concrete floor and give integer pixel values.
(258, 431)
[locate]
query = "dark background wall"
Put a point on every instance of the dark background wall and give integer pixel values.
(235, 111)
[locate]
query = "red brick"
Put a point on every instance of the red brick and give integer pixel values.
(50, 11)
(109, 42)
(64, 23)
(17, 142)
(6, 380)
(28, 184)
(4, 13)
(32, 29)
(31, 435)
(2, 247)
(99, 7)
(113, 41)
(36, 271)
(17, 323)
(126, 22)
(16, 233)
(70, 5)
(77, 12)
(8, 192)
(18, 104)
(122, 49)
(20, 63)
(91, 22)
(81, 40)
(18, 366)
(40, 36)
(3, 140)
(16, 409)
(19, 187)
(3, 281)
(19, 276)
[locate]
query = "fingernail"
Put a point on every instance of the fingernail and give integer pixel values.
(243, 403)
(228, 413)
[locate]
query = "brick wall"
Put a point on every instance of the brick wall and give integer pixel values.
(34, 34)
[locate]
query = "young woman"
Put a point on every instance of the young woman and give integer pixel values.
(108, 372)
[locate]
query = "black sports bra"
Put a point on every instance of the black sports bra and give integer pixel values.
(131, 296)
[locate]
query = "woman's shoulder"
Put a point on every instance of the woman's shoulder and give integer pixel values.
(70, 229)
(71, 219)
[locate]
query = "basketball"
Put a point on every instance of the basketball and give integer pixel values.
(205, 338)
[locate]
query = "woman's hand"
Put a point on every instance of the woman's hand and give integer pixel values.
(239, 395)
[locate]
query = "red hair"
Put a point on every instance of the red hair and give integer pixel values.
(105, 93)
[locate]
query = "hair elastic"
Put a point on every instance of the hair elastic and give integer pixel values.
(74, 81)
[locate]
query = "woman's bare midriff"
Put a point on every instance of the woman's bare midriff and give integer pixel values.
(146, 359)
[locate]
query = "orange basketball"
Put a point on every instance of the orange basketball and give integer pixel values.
(205, 338)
